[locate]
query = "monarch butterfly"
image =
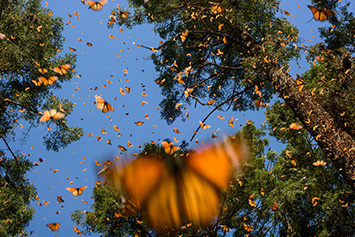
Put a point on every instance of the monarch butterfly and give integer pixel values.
(102, 105)
(77, 191)
(295, 126)
(37, 83)
(275, 207)
(178, 192)
(321, 15)
(123, 14)
(42, 70)
(51, 114)
(72, 49)
(299, 83)
(60, 199)
(258, 103)
(62, 69)
(96, 6)
(89, 44)
(53, 226)
(217, 8)
(319, 163)
(48, 81)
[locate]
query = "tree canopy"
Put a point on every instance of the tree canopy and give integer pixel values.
(30, 42)
(236, 54)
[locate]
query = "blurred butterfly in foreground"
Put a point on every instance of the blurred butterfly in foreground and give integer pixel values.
(51, 114)
(96, 6)
(102, 105)
(53, 226)
(62, 69)
(321, 15)
(184, 187)
(77, 191)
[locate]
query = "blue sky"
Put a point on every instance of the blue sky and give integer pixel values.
(96, 64)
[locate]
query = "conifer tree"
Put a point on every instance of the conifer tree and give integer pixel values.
(30, 70)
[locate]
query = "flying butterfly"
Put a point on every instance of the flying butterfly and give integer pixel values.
(321, 15)
(60, 199)
(53, 226)
(62, 69)
(102, 105)
(48, 81)
(181, 188)
(299, 83)
(77, 191)
(96, 6)
(51, 114)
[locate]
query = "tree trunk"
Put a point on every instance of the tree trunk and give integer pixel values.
(338, 145)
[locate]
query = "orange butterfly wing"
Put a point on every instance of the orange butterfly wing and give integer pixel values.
(321, 15)
(37, 83)
(300, 83)
(102, 105)
(76, 191)
(62, 69)
(217, 163)
(53, 226)
(45, 117)
(96, 6)
(141, 176)
(214, 165)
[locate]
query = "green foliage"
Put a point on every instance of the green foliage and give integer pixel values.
(30, 40)
(276, 194)
(15, 195)
(107, 217)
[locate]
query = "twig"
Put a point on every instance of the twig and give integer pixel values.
(8, 147)
(218, 106)
(13, 102)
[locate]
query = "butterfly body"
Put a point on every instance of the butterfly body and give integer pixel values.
(102, 105)
(77, 191)
(321, 15)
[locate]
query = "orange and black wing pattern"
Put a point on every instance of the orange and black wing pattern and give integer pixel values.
(321, 15)
(189, 192)
(53, 226)
(77, 191)
(96, 6)
(102, 105)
